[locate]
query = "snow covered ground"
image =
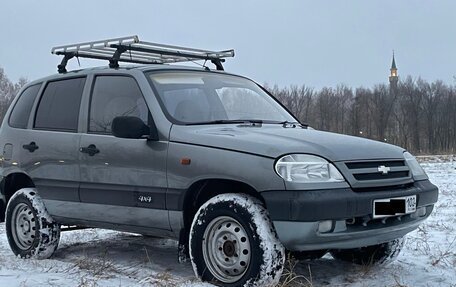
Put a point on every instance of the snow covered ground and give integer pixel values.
(95, 257)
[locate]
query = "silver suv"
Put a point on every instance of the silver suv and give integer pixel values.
(202, 156)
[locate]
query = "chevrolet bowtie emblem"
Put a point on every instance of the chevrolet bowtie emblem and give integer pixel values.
(383, 169)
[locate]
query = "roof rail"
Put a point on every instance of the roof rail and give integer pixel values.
(132, 50)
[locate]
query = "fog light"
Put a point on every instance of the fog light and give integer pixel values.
(421, 211)
(325, 226)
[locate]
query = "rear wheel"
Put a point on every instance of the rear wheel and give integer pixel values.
(30, 229)
(233, 243)
(374, 254)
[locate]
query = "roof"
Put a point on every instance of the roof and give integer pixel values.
(143, 68)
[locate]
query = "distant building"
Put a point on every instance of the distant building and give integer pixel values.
(393, 78)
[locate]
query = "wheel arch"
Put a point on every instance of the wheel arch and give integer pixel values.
(202, 190)
(9, 185)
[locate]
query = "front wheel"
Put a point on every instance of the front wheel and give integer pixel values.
(369, 255)
(233, 243)
(30, 229)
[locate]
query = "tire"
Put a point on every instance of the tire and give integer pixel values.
(233, 243)
(308, 255)
(31, 231)
(369, 255)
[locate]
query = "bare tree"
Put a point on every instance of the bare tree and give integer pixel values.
(416, 115)
(8, 91)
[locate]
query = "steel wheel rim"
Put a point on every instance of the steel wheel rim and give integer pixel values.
(226, 249)
(23, 226)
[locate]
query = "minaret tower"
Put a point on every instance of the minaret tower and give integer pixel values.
(393, 79)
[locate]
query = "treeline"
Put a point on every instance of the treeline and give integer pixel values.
(417, 115)
(8, 91)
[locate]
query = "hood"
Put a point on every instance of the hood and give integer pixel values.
(275, 140)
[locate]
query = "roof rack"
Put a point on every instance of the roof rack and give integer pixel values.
(132, 50)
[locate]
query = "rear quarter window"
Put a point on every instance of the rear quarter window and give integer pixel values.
(21, 111)
(59, 106)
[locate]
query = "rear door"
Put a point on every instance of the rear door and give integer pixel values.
(49, 149)
(123, 181)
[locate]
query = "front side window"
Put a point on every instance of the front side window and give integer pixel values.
(115, 96)
(21, 111)
(59, 106)
(203, 97)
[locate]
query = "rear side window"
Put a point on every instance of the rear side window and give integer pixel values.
(115, 96)
(20, 114)
(59, 106)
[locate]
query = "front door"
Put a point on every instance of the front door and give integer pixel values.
(123, 181)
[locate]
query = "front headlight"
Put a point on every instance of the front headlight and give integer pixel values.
(416, 169)
(307, 169)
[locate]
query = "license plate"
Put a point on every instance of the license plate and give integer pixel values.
(394, 206)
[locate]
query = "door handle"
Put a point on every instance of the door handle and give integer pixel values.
(31, 147)
(90, 150)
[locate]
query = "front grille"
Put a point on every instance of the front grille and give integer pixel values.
(374, 164)
(379, 176)
(376, 173)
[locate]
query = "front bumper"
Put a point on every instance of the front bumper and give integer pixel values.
(297, 215)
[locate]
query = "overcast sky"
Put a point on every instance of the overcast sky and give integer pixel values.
(317, 43)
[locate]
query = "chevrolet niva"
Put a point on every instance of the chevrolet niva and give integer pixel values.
(202, 156)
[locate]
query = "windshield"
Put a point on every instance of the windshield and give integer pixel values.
(203, 97)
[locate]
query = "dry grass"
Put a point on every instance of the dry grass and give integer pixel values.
(444, 257)
(162, 279)
(84, 282)
(97, 267)
(291, 279)
(398, 282)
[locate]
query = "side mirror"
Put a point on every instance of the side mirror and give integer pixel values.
(130, 128)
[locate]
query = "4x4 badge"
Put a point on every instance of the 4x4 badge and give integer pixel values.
(384, 169)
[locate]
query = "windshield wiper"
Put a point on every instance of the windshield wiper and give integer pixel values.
(218, 122)
(288, 123)
(242, 121)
